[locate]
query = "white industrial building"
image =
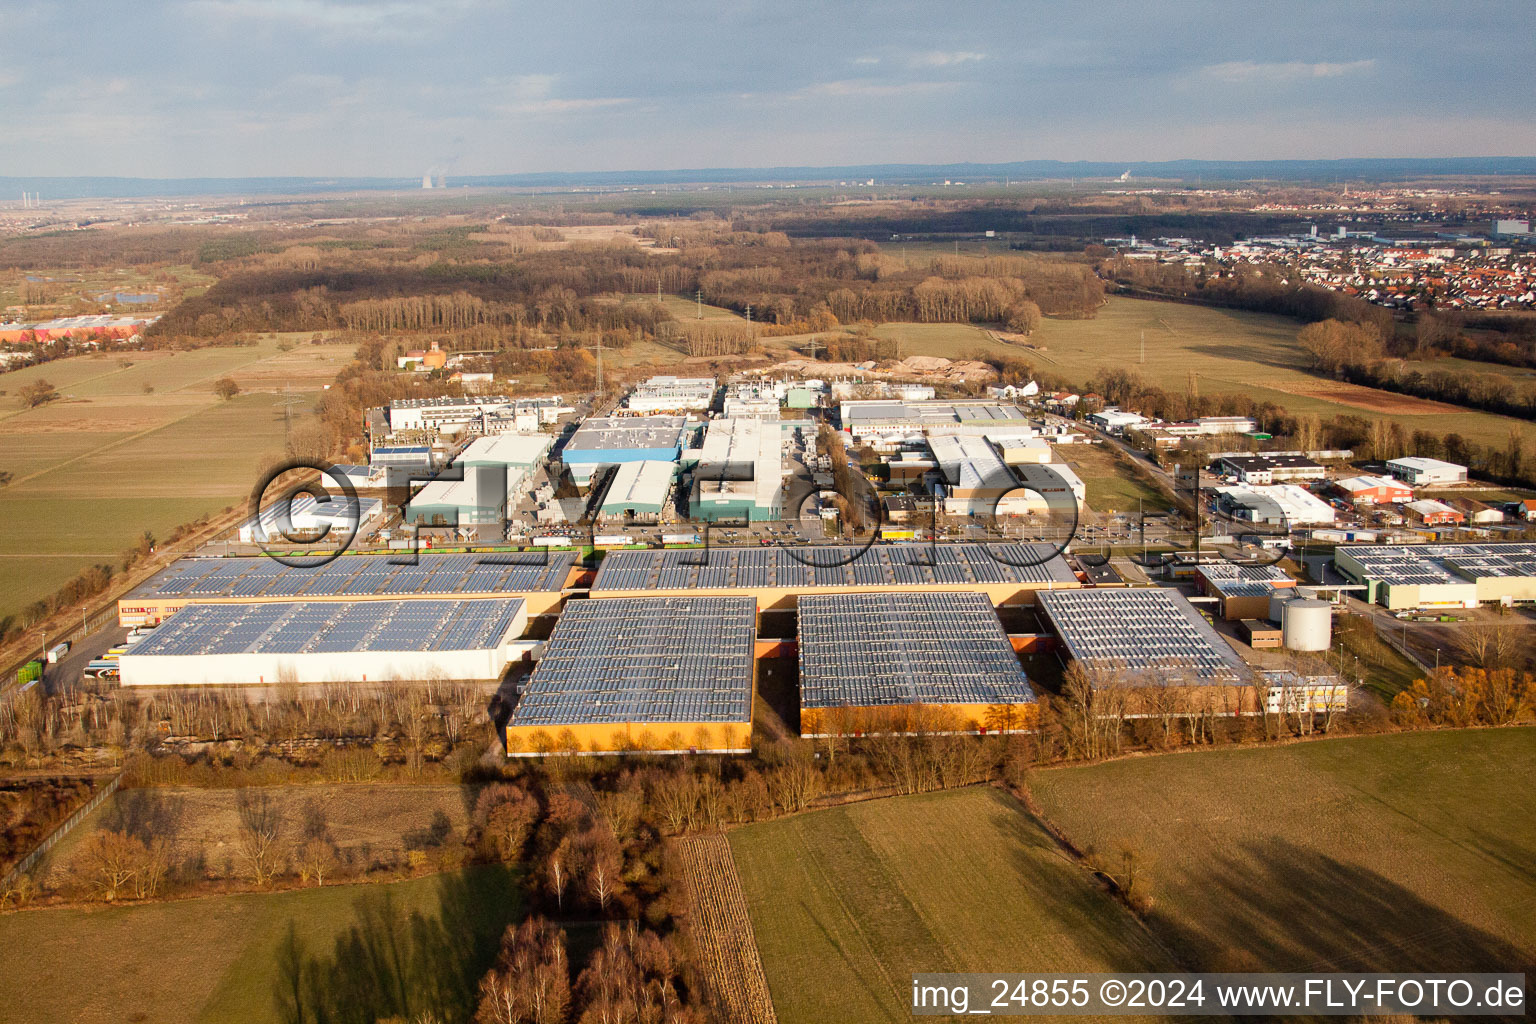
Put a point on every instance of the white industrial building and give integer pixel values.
(329, 642)
(1276, 505)
(889, 423)
(975, 477)
(437, 413)
(1116, 421)
(666, 393)
(639, 491)
(740, 471)
(1053, 482)
(305, 519)
(1421, 472)
(493, 473)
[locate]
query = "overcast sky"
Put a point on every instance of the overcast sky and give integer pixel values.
(344, 87)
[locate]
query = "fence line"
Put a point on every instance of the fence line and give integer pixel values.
(30, 860)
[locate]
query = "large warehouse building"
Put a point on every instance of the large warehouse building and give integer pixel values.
(776, 577)
(671, 394)
(305, 520)
(638, 491)
(1154, 644)
(494, 472)
(1422, 472)
(616, 440)
(662, 675)
(333, 641)
(1441, 575)
(884, 422)
(739, 472)
(538, 578)
(908, 662)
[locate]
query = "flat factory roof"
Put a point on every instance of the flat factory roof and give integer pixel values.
(624, 432)
(340, 627)
(1139, 629)
(661, 660)
(360, 576)
(816, 566)
(1429, 564)
(871, 650)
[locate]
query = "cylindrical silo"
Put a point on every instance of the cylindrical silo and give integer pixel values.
(1306, 625)
(1277, 599)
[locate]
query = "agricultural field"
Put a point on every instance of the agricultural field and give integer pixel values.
(721, 927)
(136, 442)
(1409, 852)
(1233, 351)
(847, 903)
(377, 823)
(221, 958)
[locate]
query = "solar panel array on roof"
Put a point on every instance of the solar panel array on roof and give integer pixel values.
(332, 627)
(1428, 564)
(654, 659)
(872, 650)
(881, 565)
(1140, 629)
(361, 576)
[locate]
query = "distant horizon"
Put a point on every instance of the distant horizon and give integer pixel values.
(1226, 172)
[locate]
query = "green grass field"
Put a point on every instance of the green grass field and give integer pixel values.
(216, 959)
(108, 460)
(847, 903)
(1111, 486)
(1410, 852)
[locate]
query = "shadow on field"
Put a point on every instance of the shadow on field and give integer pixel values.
(1283, 907)
(388, 964)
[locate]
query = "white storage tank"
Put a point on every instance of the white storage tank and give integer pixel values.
(1306, 624)
(1277, 601)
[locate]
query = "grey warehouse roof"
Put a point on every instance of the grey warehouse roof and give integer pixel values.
(361, 576)
(1139, 629)
(879, 565)
(342, 627)
(870, 650)
(651, 659)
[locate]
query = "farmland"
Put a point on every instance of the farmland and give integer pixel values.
(722, 929)
(1233, 351)
(847, 903)
(1229, 351)
(1408, 852)
(218, 958)
(138, 442)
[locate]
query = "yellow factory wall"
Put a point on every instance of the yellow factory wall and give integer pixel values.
(915, 718)
(787, 598)
(629, 737)
(141, 611)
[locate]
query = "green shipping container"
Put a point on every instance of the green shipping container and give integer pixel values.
(28, 672)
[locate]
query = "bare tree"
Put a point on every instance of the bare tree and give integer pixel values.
(260, 835)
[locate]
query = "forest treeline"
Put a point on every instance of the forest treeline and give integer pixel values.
(608, 288)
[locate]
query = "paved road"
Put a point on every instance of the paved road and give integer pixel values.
(66, 675)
